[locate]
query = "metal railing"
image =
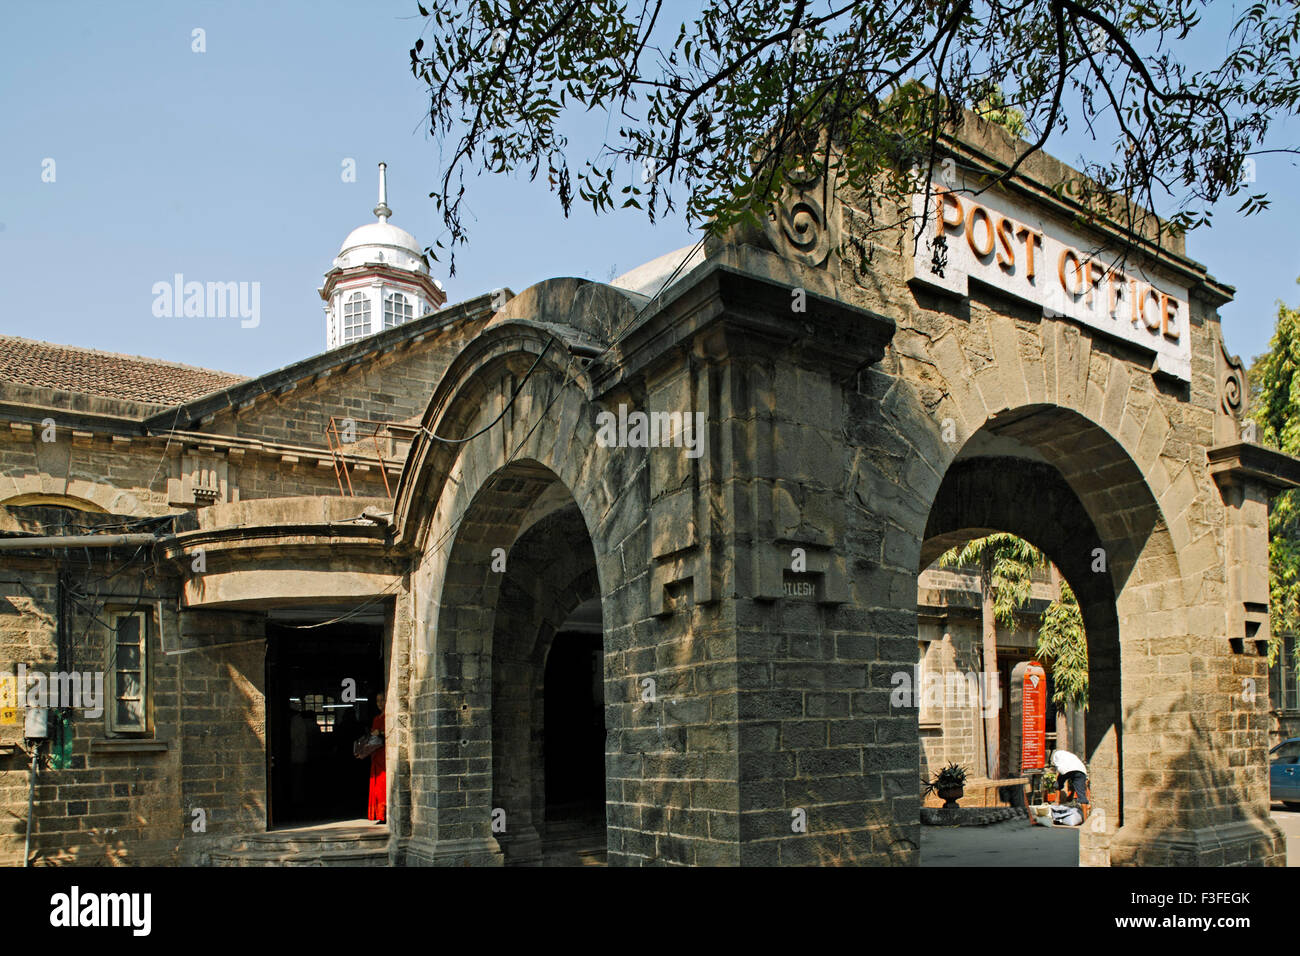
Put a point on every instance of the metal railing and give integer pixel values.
(344, 433)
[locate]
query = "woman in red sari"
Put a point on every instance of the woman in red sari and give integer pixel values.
(378, 784)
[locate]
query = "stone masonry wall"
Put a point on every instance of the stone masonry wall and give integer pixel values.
(393, 386)
(223, 740)
(135, 802)
(118, 800)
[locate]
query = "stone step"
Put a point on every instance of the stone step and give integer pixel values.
(588, 856)
(574, 843)
(348, 843)
(245, 857)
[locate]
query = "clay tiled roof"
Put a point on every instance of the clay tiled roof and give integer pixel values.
(128, 377)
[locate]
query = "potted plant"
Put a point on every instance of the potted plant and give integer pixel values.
(1049, 786)
(949, 783)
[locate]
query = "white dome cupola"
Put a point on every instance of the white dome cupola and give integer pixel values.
(380, 279)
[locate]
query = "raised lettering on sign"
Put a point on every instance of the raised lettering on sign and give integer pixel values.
(800, 589)
(1000, 241)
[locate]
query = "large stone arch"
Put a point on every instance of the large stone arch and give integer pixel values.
(1086, 406)
(990, 379)
(516, 431)
(768, 588)
(1031, 499)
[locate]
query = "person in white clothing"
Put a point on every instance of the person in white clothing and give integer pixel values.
(1071, 770)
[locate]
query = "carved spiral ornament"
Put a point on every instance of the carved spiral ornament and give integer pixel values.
(1233, 394)
(798, 226)
(805, 225)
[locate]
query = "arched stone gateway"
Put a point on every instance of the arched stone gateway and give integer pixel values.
(551, 574)
(483, 509)
(756, 575)
(1048, 475)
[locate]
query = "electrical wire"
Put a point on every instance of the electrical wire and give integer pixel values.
(570, 379)
(349, 614)
(358, 609)
(589, 361)
(522, 383)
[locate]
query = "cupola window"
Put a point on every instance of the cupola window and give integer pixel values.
(356, 317)
(397, 310)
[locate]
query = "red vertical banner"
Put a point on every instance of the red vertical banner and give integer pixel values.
(1034, 719)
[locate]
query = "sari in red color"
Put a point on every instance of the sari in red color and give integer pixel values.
(378, 784)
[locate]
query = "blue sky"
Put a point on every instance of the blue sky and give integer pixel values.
(226, 166)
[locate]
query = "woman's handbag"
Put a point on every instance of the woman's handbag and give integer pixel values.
(365, 746)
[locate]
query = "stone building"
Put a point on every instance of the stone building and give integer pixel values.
(637, 562)
(954, 697)
(1284, 692)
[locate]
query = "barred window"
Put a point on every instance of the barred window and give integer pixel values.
(397, 309)
(1283, 682)
(128, 672)
(322, 706)
(356, 317)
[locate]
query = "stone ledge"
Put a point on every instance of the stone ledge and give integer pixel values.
(1247, 461)
(1241, 843)
(968, 816)
(421, 851)
(128, 746)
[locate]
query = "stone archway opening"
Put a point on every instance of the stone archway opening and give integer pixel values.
(573, 741)
(548, 702)
(968, 677)
(958, 700)
(1063, 484)
(521, 591)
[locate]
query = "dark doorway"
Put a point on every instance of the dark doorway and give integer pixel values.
(313, 776)
(575, 730)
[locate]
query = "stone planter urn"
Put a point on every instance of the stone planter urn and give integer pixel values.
(950, 796)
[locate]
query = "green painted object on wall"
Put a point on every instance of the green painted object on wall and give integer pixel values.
(60, 740)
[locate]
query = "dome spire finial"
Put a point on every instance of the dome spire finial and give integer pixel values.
(382, 210)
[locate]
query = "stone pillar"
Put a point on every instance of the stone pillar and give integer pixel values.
(769, 739)
(827, 774)
(1199, 794)
(451, 723)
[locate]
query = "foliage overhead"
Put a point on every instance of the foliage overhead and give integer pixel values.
(1006, 563)
(716, 112)
(1275, 407)
(1061, 639)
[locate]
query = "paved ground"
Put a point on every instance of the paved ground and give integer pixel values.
(1014, 843)
(1018, 843)
(1289, 821)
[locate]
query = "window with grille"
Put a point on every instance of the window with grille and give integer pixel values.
(397, 309)
(1284, 677)
(322, 706)
(128, 673)
(356, 317)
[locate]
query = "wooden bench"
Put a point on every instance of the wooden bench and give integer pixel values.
(984, 793)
